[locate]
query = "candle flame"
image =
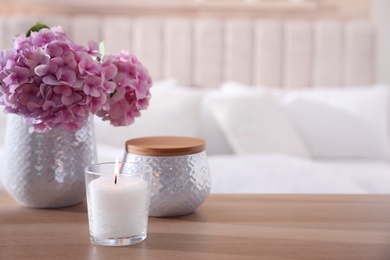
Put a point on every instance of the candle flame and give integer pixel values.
(116, 171)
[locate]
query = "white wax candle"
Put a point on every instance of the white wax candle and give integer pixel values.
(118, 210)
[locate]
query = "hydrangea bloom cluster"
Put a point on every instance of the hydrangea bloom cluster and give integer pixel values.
(131, 94)
(56, 83)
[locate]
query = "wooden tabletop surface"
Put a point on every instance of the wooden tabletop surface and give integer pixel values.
(224, 227)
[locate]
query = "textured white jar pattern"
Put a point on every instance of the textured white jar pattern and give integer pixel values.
(46, 170)
(180, 184)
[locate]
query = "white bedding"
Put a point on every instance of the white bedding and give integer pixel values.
(274, 173)
(279, 173)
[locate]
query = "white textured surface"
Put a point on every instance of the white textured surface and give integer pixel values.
(45, 170)
(180, 184)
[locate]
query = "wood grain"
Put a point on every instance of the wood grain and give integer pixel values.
(165, 145)
(224, 227)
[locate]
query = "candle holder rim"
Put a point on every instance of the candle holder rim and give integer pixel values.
(88, 170)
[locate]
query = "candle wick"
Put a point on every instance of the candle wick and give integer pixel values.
(116, 171)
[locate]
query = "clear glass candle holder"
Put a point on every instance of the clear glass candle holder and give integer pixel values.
(118, 198)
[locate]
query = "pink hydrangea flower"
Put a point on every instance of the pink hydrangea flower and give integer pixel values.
(131, 93)
(56, 83)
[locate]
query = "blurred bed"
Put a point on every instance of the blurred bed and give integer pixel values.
(286, 103)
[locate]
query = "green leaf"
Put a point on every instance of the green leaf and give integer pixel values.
(36, 28)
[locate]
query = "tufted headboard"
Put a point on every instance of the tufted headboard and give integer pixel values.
(206, 50)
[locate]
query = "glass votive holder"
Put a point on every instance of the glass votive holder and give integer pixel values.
(118, 197)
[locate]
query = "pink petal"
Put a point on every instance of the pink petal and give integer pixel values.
(32, 106)
(110, 72)
(41, 70)
(48, 104)
(69, 77)
(50, 80)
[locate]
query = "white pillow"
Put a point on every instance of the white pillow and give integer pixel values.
(216, 142)
(342, 123)
(256, 123)
(209, 130)
(173, 110)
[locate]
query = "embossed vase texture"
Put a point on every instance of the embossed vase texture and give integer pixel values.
(45, 170)
(181, 178)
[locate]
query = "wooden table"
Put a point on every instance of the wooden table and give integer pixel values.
(300, 227)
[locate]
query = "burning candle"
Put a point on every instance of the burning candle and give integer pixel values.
(118, 205)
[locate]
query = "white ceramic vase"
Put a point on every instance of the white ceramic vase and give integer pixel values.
(45, 170)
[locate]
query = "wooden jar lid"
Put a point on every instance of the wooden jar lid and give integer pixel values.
(165, 146)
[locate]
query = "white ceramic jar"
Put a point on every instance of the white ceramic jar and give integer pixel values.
(181, 178)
